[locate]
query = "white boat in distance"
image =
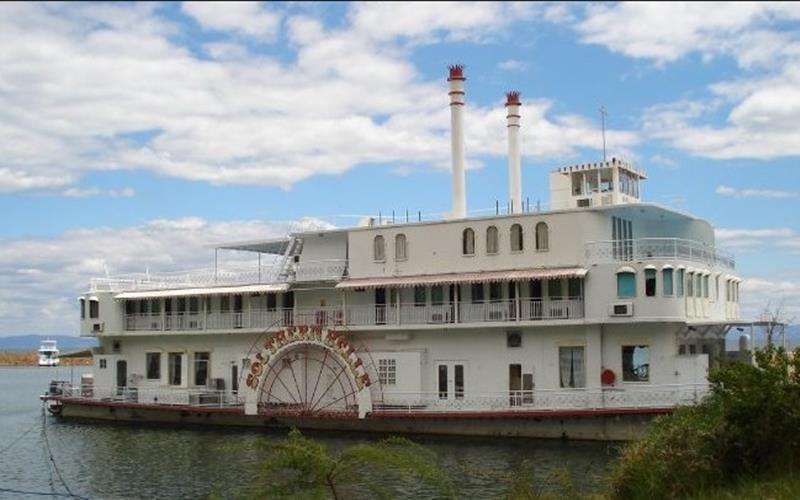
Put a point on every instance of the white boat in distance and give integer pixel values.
(48, 353)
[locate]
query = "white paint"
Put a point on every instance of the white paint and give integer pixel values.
(459, 209)
(514, 157)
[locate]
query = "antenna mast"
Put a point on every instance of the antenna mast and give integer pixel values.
(603, 113)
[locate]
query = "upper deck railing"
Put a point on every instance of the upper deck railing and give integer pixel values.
(320, 270)
(657, 249)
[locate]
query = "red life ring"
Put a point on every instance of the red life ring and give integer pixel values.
(608, 377)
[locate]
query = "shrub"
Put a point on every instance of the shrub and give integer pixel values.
(749, 424)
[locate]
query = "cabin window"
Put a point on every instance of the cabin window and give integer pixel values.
(698, 285)
(437, 295)
(679, 282)
(420, 297)
(666, 277)
(153, 360)
(194, 305)
(379, 249)
(495, 291)
(102, 363)
(387, 371)
(225, 303)
(400, 247)
(542, 237)
(174, 361)
(492, 240)
(535, 289)
(201, 360)
(716, 288)
(555, 290)
(272, 302)
(516, 238)
(650, 282)
(635, 363)
(626, 285)
(468, 242)
(571, 367)
(574, 288)
(690, 284)
(94, 308)
(705, 286)
(477, 292)
(83, 308)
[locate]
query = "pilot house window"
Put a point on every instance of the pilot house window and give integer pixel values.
(492, 240)
(516, 238)
(400, 247)
(468, 242)
(542, 238)
(379, 249)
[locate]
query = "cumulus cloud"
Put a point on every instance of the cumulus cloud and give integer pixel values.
(78, 192)
(512, 65)
(111, 87)
(248, 18)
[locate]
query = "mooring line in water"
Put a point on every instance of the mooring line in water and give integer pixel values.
(41, 493)
(46, 442)
(19, 438)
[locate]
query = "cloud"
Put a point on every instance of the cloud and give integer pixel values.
(84, 89)
(731, 192)
(247, 18)
(511, 65)
(77, 192)
(781, 238)
(664, 161)
(758, 293)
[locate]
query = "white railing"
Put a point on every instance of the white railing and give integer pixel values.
(168, 396)
(642, 396)
(319, 270)
(657, 249)
(360, 315)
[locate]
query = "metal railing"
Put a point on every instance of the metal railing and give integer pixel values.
(361, 315)
(657, 249)
(639, 396)
(168, 396)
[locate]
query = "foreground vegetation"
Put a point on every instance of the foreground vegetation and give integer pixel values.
(749, 427)
(19, 358)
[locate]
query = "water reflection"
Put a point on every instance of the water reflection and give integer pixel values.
(114, 460)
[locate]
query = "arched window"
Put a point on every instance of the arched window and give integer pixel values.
(626, 283)
(468, 242)
(400, 250)
(492, 240)
(379, 248)
(542, 243)
(516, 238)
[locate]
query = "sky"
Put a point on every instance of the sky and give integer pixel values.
(133, 135)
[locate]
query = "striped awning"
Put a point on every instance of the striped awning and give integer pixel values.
(456, 278)
(217, 290)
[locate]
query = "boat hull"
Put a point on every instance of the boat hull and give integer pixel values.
(598, 425)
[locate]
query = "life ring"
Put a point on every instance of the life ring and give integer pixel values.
(608, 377)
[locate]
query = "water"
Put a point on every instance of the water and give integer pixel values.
(120, 461)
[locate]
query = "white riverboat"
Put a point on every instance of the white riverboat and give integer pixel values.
(521, 322)
(48, 353)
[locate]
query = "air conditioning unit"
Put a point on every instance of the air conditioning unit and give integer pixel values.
(621, 309)
(98, 327)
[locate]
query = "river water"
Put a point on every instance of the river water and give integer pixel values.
(121, 461)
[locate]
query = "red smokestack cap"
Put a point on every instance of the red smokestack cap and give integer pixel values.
(456, 72)
(512, 98)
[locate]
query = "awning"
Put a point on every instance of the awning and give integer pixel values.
(456, 278)
(217, 290)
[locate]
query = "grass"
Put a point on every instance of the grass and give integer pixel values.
(786, 486)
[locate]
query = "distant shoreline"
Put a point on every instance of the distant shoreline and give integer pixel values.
(31, 358)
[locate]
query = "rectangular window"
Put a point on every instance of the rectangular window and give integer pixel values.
(666, 276)
(437, 295)
(626, 285)
(635, 363)
(690, 284)
(153, 365)
(175, 361)
(442, 381)
(477, 292)
(554, 289)
(102, 363)
(716, 288)
(650, 282)
(387, 371)
(419, 295)
(458, 382)
(574, 288)
(201, 360)
(705, 286)
(272, 302)
(194, 305)
(679, 283)
(83, 308)
(535, 289)
(225, 303)
(571, 367)
(698, 285)
(94, 309)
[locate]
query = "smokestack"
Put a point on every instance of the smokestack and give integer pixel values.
(514, 154)
(456, 93)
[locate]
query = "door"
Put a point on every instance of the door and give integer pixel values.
(380, 306)
(122, 373)
(235, 378)
(450, 380)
